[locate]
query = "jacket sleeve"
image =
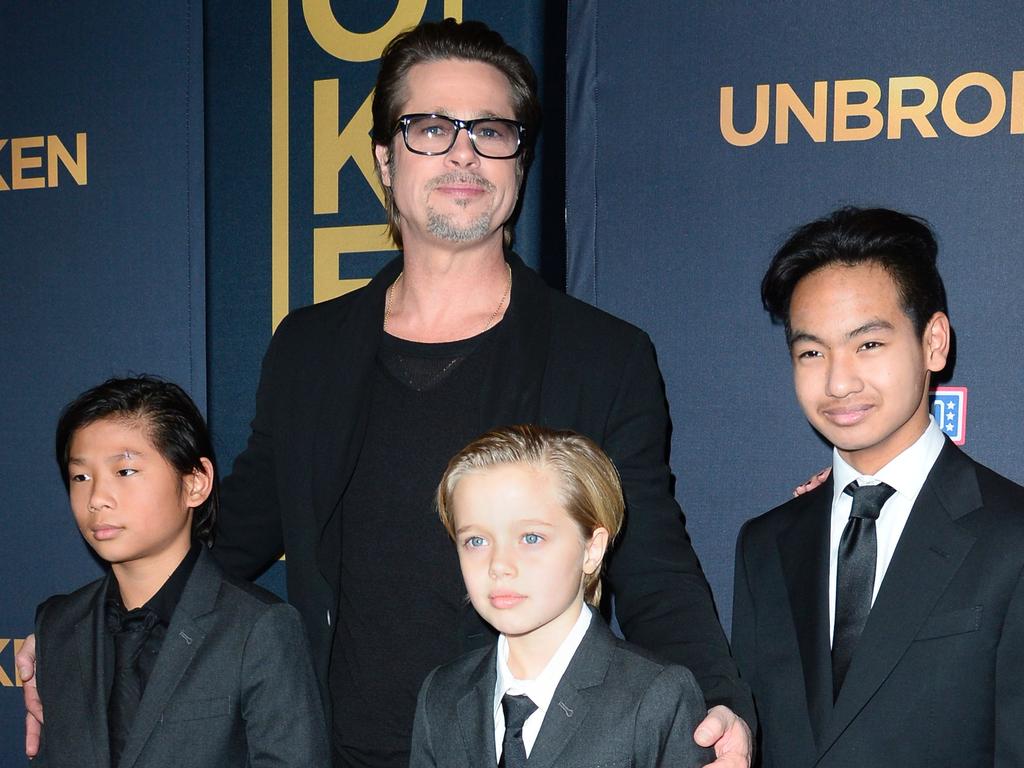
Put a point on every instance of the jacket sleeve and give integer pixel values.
(662, 599)
(671, 709)
(249, 534)
(421, 754)
(1009, 682)
(280, 700)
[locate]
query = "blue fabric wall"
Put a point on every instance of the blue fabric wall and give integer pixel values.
(103, 269)
(671, 225)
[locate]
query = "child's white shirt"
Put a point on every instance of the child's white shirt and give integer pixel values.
(541, 689)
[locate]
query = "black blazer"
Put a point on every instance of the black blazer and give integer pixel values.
(938, 675)
(563, 364)
(233, 680)
(615, 707)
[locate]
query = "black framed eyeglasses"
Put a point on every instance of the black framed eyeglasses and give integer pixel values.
(493, 137)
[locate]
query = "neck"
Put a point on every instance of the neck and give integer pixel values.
(530, 652)
(138, 580)
(444, 296)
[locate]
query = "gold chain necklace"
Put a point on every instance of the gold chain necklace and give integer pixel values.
(490, 320)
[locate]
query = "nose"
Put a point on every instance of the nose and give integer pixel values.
(100, 497)
(843, 376)
(503, 562)
(462, 154)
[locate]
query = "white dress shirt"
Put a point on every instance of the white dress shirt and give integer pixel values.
(906, 474)
(540, 689)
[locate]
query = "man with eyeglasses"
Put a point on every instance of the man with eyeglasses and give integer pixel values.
(363, 399)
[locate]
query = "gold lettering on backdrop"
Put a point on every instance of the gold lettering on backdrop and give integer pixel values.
(996, 111)
(354, 46)
(331, 150)
(5, 679)
(844, 110)
(1017, 103)
(915, 113)
(27, 165)
(728, 126)
(857, 114)
(814, 121)
(20, 163)
(57, 153)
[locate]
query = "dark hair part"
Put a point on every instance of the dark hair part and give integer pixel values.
(169, 417)
(903, 245)
(588, 482)
(438, 41)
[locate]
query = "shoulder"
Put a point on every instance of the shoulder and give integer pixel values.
(789, 513)
(449, 682)
(59, 609)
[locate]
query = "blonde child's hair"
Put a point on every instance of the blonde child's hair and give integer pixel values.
(588, 483)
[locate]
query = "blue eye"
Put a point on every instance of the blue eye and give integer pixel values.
(532, 538)
(475, 542)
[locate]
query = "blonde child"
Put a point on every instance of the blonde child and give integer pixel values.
(533, 512)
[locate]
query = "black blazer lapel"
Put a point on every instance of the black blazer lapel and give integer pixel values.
(803, 550)
(476, 720)
(512, 391)
(90, 638)
(930, 550)
(569, 705)
(341, 408)
(184, 638)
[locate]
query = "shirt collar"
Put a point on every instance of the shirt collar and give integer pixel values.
(906, 473)
(166, 598)
(542, 688)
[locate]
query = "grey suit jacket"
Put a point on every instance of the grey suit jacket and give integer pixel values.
(233, 684)
(938, 674)
(615, 706)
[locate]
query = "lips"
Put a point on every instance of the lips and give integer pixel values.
(461, 185)
(847, 415)
(506, 599)
(105, 532)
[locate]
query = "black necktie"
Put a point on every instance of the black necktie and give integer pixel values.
(855, 575)
(517, 709)
(131, 629)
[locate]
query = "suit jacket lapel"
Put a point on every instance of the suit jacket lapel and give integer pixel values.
(341, 408)
(569, 705)
(512, 391)
(91, 639)
(930, 550)
(185, 636)
(476, 719)
(803, 550)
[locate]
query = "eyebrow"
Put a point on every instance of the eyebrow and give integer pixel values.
(875, 324)
(125, 454)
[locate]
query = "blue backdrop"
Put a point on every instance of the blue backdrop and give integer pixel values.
(672, 220)
(101, 243)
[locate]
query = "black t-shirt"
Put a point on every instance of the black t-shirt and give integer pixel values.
(401, 590)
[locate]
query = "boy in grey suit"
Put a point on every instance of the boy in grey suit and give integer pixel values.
(165, 661)
(532, 512)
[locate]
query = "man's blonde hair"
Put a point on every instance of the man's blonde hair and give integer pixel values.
(588, 483)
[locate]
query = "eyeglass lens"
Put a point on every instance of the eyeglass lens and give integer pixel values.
(436, 135)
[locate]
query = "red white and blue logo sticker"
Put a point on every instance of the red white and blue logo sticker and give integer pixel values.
(949, 407)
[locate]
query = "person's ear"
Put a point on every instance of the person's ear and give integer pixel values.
(594, 549)
(937, 340)
(383, 154)
(199, 484)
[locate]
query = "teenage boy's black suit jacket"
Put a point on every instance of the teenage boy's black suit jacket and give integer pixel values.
(560, 363)
(614, 707)
(937, 678)
(232, 686)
